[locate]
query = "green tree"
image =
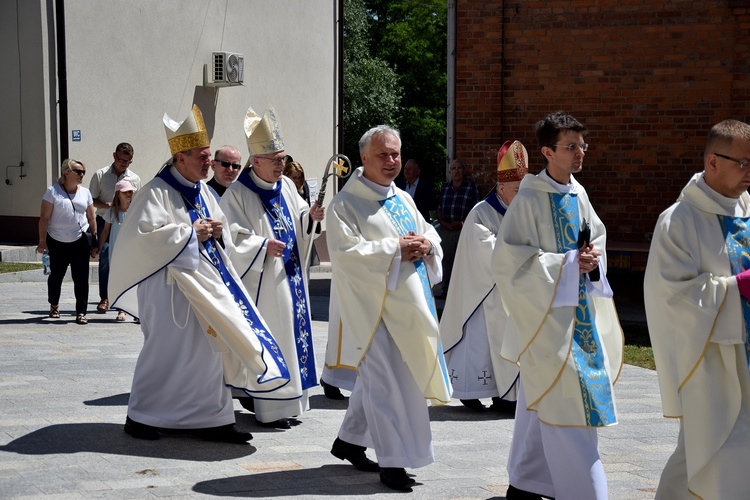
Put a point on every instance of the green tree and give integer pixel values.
(411, 36)
(371, 89)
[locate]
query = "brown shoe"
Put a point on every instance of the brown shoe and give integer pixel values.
(54, 311)
(103, 306)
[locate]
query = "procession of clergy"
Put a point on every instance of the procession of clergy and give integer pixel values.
(221, 288)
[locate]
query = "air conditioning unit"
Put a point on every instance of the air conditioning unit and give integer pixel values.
(226, 70)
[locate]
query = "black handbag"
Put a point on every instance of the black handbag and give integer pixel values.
(92, 240)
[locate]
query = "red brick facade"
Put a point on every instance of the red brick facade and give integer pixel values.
(647, 77)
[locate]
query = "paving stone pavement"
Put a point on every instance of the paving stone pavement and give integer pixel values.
(63, 400)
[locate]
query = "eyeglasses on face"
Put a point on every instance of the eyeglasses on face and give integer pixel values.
(124, 161)
(279, 161)
(573, 147)
(78, 171)
(742, 163)
(227, 164)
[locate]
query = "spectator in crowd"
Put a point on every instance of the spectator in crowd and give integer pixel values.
(67, 214)
(420, 189)
(102, 187)
(226, 166)
(294, 171)
(113, 219)
(456, 199)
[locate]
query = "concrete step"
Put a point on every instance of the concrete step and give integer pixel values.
(19, 253)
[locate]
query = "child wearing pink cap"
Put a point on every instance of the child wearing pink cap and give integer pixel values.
(113, 218)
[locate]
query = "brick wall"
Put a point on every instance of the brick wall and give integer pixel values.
(647, 77)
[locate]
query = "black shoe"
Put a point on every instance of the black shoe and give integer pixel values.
(396, 478)
(473, 404)
(224, 434)
(514, 493)
(331, 391)
(354, 454)
(140, 431)
(247, 403)
(503, 406)
(282, 423)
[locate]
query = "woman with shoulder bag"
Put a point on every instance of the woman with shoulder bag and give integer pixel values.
(66, 215)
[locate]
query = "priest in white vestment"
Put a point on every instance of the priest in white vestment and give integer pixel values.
(273, 229)
(385, 258)
(201, 330)
(473, 320)
(697, 295)
(550, 265)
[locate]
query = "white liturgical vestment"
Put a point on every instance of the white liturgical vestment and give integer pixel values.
(197, 336)
(473, 320)
(698, 327)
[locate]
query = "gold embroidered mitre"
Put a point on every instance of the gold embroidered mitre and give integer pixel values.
(263, 132)
(512, 162)
(187, 134)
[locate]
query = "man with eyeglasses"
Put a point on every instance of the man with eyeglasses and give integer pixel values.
(226, 166)
(697, 295)
(549, 263)
(273, 229)
(102, 187)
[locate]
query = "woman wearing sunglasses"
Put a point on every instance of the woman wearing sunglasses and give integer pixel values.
(67, 214)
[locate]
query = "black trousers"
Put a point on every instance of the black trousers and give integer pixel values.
(76, 255)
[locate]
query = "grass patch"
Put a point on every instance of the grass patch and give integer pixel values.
(639, 356)
(637, 350)
(14, 267)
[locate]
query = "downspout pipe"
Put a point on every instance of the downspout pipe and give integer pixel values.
(62, 78)
(451, 108)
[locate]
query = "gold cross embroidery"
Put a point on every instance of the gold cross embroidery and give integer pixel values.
(340, 167)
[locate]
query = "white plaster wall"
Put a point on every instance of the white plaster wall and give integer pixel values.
(130, 61)
(26, 130)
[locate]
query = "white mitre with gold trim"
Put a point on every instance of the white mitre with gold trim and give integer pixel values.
(187, 134)
(263, 132)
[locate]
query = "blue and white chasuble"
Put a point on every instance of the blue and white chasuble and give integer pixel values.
(737, 240)
(587, 353)
(198, 210)
(279, 216)
(402, 220)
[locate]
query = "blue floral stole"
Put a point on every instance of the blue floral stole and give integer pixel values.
(737, 240)
(198, 210)
(281, 221)
(596, 390)
(402, 220)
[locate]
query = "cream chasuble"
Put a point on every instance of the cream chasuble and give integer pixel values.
(363, 242)
(699, 335)
(569, 356)
(472, 289)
